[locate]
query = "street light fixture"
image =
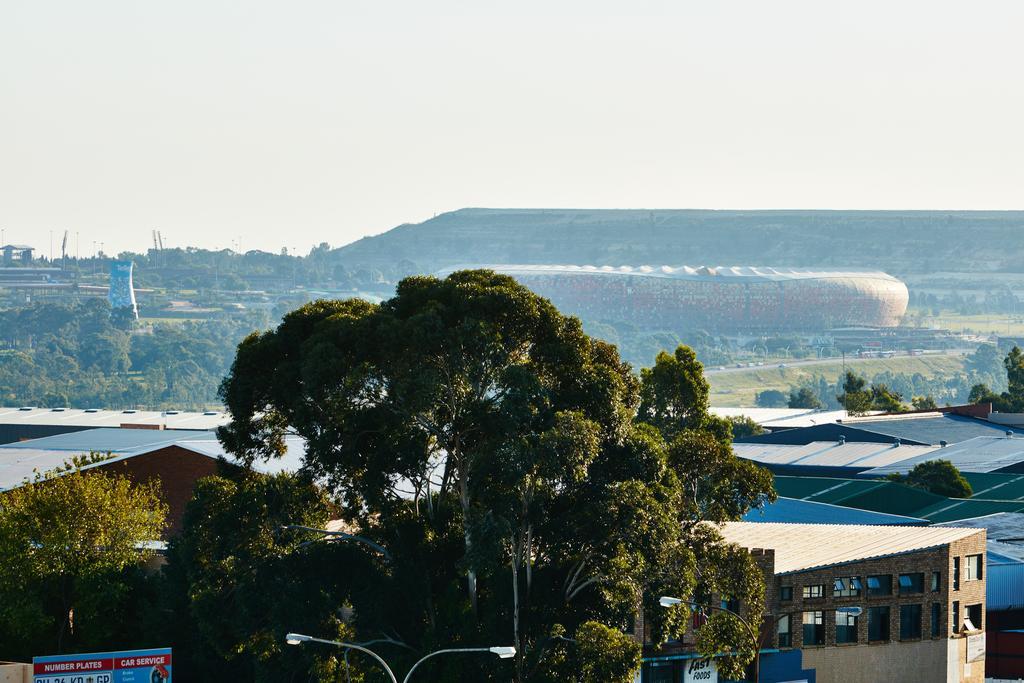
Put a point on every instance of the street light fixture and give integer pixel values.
(668, 601)
(339, 534)
(502, 652)
(299, 638)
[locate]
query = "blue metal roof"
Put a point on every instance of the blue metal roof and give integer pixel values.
(794, 511)
(1004, 586)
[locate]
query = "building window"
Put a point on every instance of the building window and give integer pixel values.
(785, 593)
(785, 631)
(956, 573)
(880, 585)
(911, 583)
(972, 617)
(878, 623)
(846, 627)
(814, 628)
(847, 587)
(972, 569)
(936, 620)
(910, 622)
(815, 591)
(936, 581)
(956, 616)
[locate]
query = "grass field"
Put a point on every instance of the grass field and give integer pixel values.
(740, 387)
(985, 323)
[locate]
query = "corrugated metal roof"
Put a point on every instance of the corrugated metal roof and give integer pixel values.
(171, 419)
(930, 428)
(826, 432)
(996, 485)
(830, 453)
(108, 440)
(1004, 586)
(799, 547)
(794, 511)
(867, 494)
(980, 454)
(291, 461)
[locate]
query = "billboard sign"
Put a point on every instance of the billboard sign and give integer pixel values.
(131, 666)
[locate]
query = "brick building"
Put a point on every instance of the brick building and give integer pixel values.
(861, 604)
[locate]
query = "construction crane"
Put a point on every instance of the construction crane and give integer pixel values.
(64, 251)
(156, 244)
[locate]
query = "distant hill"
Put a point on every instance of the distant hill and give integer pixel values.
(899, 242)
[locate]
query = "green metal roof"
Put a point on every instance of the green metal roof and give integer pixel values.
(996, 485)
(897, 499)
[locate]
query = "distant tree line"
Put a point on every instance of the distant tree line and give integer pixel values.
(74, 354)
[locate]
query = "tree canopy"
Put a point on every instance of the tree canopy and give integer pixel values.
(937, 476)
(71, 546)
(502, 457)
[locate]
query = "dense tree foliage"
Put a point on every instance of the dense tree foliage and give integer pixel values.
(804, 398)
(770, 398)
(491, 446)
(937, 476)
(74, 354)
(71, 548)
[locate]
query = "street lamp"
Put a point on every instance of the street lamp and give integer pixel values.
(502, 652)
(299, 638)
(340, 534)
(666, 601)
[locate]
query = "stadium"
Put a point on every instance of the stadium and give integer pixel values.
(734, 300)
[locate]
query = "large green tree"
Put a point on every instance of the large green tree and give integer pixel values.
(490, 445)
(71, 548)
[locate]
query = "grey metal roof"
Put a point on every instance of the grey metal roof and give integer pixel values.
(108, 440)
(799, 547)
(930, 428)
(291, 461)
(795, 511)
(75, 417)
(980, 454)
(1005, 533)
(830, 453)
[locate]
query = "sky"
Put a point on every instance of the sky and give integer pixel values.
(262, 125)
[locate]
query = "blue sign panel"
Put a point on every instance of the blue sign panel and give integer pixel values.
(131, 666)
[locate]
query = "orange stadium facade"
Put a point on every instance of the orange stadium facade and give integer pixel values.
(719, 299)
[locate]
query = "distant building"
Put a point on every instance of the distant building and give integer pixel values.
(858, 604)
(122, 290)
(177, 458)
(16, 252)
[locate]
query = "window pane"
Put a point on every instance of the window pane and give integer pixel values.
(936, 620)
(785, 636)
(910, 622)
(846, 628)
(814, 628)
(912, 583)
(880, 585)
(878, 623)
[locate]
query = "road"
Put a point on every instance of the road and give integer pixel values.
(850, 360)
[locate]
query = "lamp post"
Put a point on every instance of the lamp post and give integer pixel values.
(502, 652)
(298, 639)
(666, 601)
(340, 534)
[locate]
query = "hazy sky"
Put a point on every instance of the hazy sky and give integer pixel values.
(293, 123)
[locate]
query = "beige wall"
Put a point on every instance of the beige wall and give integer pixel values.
(919, 662)
(15, 673)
